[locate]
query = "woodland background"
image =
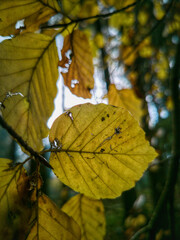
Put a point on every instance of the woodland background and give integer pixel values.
(138, 48)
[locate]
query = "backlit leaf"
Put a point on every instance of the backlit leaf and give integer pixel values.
(80, 9)
(89, 214)
(12, 11)
(52, 223)
(13, 210)
(126, 98)
(28, 66)
(102, 150)
(81, 67)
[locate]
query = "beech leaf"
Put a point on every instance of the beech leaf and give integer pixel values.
(28, 70)
(34, 13)
(13, 209)
(101, 150)
(126, 98)
(81, 67)
(89, 214)
(52, 223)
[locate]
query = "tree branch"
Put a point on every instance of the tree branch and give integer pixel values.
(23, 143)
(91, 17)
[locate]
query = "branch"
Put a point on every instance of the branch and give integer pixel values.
(24, 144)
(91, 17)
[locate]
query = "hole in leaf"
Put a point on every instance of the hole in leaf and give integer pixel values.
(74, 82)
(20, 24)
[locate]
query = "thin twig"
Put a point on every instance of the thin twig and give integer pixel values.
(91, 17)
(23, 143)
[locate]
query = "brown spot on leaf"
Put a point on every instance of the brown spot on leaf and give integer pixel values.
(107, 115)
(117, 130)
(102, 150)
(102, 119)
(98, 209)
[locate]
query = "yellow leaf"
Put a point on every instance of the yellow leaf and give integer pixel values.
(81, 68)
(33, 22)
(126, 98)
(99, 40)
(89, 8)
(89, 214)
(52, 223)
(128, 55)
(169, 103)
(68, 29)
(118, 3)
(28, 66)
(121, 4)
(80, 9)
(143, 17)
(102, 150)
(108, 2)
(159, 12)
(14, 212)
(71, 8)
(12, 11)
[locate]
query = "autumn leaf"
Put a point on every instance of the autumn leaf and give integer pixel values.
(80, 9)
(14, 211)
(101, 150)
(34, 13)
(52, 223)
(33, 22)
(125, 98)
(89, 214)
(122, 4)
(81, 68)
(28, 67)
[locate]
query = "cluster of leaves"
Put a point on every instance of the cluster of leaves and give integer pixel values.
(100, 150)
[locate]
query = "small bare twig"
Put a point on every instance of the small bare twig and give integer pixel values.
(19, 139)
(91, 17)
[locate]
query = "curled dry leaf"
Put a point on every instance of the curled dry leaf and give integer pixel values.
(81, 67)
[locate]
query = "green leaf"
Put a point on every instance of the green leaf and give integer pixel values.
(52, 223)
(28, 67)
(89, 214)
(12, 11)
(101, 150)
